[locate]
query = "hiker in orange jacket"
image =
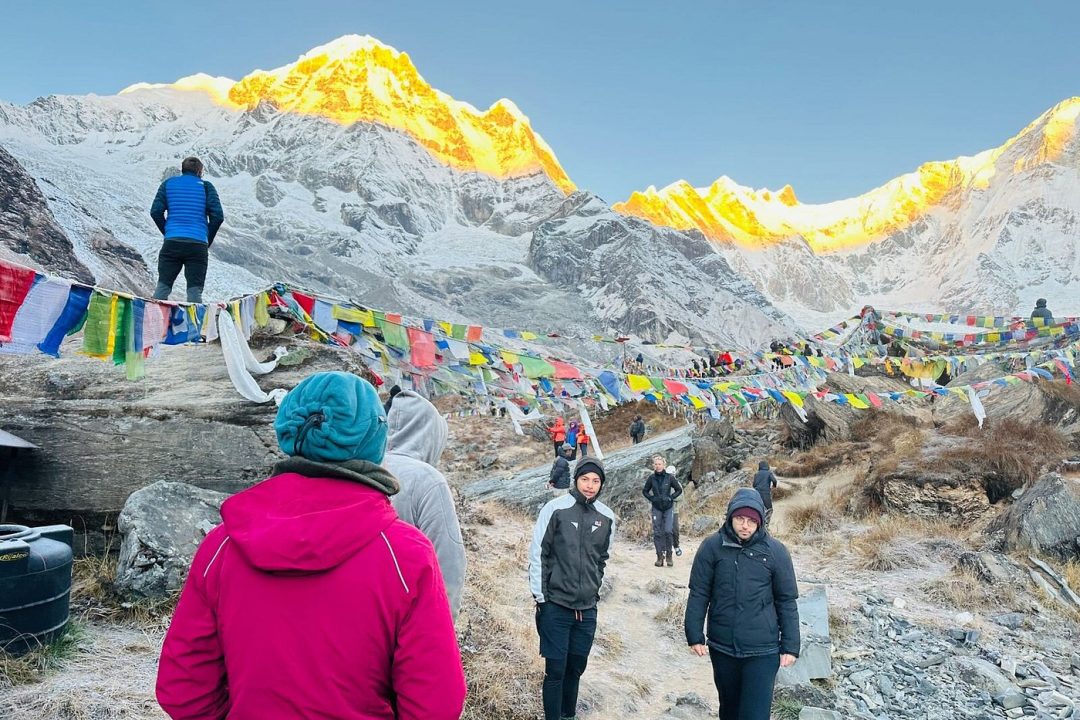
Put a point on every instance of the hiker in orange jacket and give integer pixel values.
(583, 440)
(558, 434)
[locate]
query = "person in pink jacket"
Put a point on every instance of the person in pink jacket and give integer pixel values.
(312, 599)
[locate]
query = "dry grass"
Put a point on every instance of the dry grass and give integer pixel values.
(658, 586)
(1008, 454)
(671, 618)
(894, 542)
(817, 517)
(35, 664)
(964, 591)
(880, 426)
(497, 632)
(1071, 572)
(841, 627)
(94, 597)
(813, 461)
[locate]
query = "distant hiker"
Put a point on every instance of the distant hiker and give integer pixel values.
(1041, 315)
(188, 213)
(416, 438)
(637, 429)
(661, 489)
(321, 539)
(742, 584)
(764, 482)
(559, 478)
(675, 516)
(583, 440)
(570, 547)
(394, 390)
(572, 438)
(558, 435)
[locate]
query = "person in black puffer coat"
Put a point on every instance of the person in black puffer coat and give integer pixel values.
(559, 479)
(743, 583)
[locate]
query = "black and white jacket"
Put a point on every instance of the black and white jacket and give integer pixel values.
(570, 547)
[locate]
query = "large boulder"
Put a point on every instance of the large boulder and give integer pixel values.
(831, 422)
(1046, 519)
(911, 490)
(625, 471)
(1050, 402)
(712, 450)
(162, 526)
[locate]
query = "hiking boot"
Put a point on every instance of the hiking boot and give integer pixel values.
(678, 552)
(670, 562)
(659, 560)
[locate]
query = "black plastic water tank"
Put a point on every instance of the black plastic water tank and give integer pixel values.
(35, 585)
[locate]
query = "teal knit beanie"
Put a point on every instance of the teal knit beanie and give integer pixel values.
(332, 417)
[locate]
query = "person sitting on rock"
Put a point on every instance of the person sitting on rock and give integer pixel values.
(416, 439)
(661, 489)
(764, 482)
(637, 429)
(1041, 315)
(570, 547)
(559, 479)
(743, 593)
(312, 598)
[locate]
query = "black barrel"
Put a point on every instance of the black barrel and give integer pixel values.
(35, 585)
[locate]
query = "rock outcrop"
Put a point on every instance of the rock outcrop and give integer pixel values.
(162, 525)
(1044, 520)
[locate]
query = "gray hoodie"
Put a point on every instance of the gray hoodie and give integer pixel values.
(417, 436)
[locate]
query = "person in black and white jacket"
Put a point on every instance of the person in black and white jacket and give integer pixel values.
(570, 548)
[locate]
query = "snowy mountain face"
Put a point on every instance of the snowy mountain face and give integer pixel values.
(365, 208)
(987, 234)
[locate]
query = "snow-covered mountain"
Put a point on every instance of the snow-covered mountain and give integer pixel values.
(347, 173)
(985, 234)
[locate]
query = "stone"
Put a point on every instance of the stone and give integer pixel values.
(992, 568)
(1046, 520)
(161, 526)
(1012, 621)
(705, 525)
(899, 603)
(815, 655)
(1010, 699)
(712, 442)
(813, 713)
(626, 470)
(981, 674)
(964, 618)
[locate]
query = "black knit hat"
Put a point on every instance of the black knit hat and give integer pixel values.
(589, 464)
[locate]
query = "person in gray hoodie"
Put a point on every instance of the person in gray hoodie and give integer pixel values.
(416, 439)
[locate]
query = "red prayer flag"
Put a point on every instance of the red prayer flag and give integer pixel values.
(15, 284)
(475, 333)
(422, 345)
(305, 301)
(676, 388)
(565, 371)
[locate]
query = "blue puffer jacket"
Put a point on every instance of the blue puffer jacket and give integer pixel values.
(743, 593)
(187, 207)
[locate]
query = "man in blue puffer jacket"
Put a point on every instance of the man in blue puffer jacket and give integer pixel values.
(188, 213)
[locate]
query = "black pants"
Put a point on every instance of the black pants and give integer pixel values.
(566, 637)
(675, 526)
(745, 685)
(558, 444)
(175, 255)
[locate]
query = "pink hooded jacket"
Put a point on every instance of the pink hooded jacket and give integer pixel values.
(312, 600)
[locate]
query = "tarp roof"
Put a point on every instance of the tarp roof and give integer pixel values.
(9, 440)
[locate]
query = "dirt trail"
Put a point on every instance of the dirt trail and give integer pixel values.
(803, 491)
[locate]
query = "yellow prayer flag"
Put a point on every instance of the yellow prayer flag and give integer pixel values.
(477, 358)
(793, 397)
(365, 318)
(697, 402)
(526, 335)
(510, 358)
(855, 402)
(857, 361)
(639, 383)
(447, 328)
(262, 310)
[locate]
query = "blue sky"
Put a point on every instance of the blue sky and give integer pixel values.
(832, 97)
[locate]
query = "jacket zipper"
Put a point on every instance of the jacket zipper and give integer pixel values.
(734, 637)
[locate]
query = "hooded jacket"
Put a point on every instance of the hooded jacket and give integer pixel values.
(560, 473)
(312, 599)
(637, 428)
(1042, 312)
(570, 547)
(558, 430)
(661, 490)
(764, 482)
(416, 440)
(745, 592)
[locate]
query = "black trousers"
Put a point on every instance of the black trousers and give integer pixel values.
(192, 258)
(745, 685)
(566, 637)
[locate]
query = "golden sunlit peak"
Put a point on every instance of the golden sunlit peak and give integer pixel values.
(730, 213)
(356, 78)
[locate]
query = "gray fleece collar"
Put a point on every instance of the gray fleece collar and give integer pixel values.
(358, 471)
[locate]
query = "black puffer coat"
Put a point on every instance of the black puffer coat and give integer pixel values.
(746, 591)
